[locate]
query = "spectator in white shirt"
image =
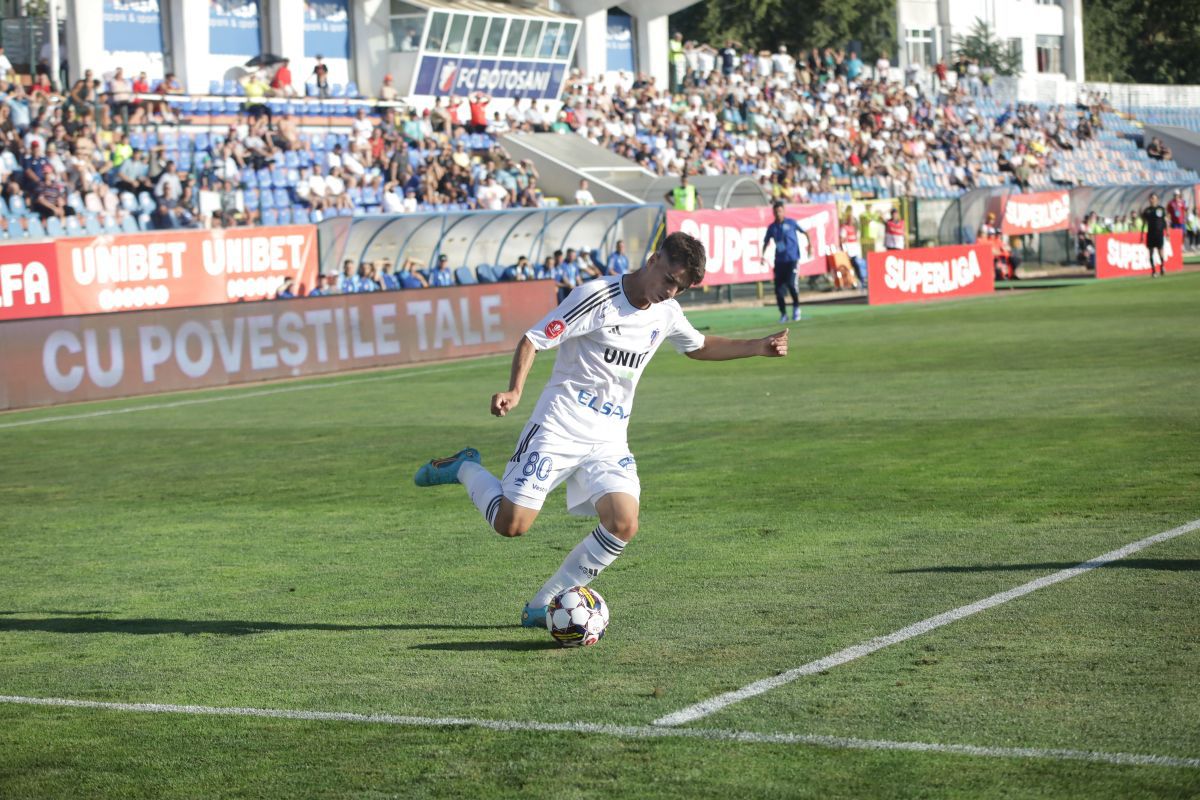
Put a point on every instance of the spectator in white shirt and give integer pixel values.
(392, 204)
(583, 197)
(491, 196)
(362, 127)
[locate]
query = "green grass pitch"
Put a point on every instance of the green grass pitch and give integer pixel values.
(270, 551)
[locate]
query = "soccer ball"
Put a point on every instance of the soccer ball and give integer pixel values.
(577, 617)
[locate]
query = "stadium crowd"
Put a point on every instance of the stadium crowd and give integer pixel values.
(117, 153)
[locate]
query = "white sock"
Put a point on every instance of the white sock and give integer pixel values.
(589, 558)
(483, 488)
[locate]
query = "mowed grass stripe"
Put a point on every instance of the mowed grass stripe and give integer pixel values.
(711, 706)
(622, 731)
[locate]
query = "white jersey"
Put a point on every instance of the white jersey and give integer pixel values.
(604, 345)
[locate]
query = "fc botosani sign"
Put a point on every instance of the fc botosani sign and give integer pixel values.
(65, 359)
(929, 273)
(443, 76)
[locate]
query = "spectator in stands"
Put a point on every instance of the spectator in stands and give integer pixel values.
(618, 262)
(256, 93)
(478, 103)
(362, 128)
(1157, 150)
(441, 275)
(531, 195)
(320, 78)
(232, 209)
(170, 212)
(388, 92)
(286, 291)
(169, 179)
(281, 81)
(169, 85)
(583, 195)
(6, 67)
(120, 97)
(491, 196)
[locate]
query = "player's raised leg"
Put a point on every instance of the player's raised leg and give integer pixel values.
(482, 487)
(618, 525)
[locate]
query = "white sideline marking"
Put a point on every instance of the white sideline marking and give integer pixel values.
(240, 395)
(706, 707)
(628, 731)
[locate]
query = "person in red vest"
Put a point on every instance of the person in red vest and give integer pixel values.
(893, 233)
(1002, 257)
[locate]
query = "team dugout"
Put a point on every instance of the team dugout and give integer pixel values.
(443, 48)
(491, 238)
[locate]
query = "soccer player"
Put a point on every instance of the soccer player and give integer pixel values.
(608, 330)
(1154, 225)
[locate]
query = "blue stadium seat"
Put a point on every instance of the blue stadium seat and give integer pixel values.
(270, 216)
(3, 207)
(129, 202)
(110, 225)
(146, 202)
(463, 276)
(266, 199)
(279, 178)
(250, 198)
(54, 227)
(315, 216)
(249, 179)
(129, 224)
(137, 140)
(282, 198)
(92, 225)
(71, 223)
(337, 90)
(486, 274)
(352, 89)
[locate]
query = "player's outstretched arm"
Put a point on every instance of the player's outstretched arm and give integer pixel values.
(503, 402)
(718, 348)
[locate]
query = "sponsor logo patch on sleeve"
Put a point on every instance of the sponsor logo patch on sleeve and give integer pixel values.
(555, 328)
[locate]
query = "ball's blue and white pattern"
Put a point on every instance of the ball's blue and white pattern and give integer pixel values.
(577, 617)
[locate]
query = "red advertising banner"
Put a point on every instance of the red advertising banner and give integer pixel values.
(1119, 255)
(733, 240)
(1032, 213)
(929, 273)
(164, 269)
(29, 281)
(67, 359)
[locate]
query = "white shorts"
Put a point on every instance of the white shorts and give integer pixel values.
(543, 460)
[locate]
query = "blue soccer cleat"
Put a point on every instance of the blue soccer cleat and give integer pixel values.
(444, 470)
(533, 617)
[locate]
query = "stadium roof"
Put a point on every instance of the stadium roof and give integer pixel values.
(486, 7)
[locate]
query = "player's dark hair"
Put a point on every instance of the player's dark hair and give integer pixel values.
(682, 250)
